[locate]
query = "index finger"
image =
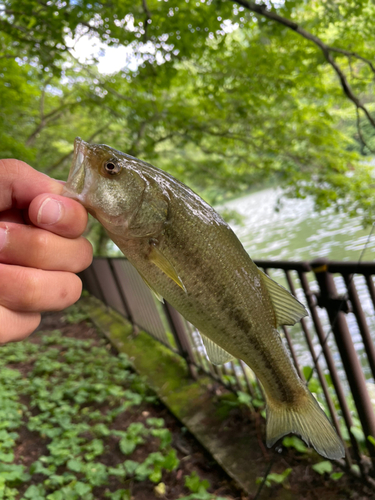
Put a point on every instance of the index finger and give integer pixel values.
(20, 184)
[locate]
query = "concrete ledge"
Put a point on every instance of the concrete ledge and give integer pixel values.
(237, 451)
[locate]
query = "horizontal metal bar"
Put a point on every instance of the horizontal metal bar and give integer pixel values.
(284, 264)
(351, 267)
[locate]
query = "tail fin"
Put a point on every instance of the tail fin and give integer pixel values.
(307, 420)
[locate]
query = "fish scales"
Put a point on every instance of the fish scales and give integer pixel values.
(188, 255)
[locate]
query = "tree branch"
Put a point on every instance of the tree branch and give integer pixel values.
(164, 138)
(353, 54)
(114, 92)
(262, 10)
(133, 150)
(42, 98)
(148, 18)
(45, 119)
(360, 135)
(102, 84)
(67, 155)
(9, 56)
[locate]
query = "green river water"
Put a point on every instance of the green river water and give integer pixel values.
(297, 231)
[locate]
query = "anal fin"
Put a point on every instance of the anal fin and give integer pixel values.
(215, 353)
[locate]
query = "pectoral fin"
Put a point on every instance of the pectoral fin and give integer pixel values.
(288, 309)
(215, 354)
(156, 294)
(157, 258)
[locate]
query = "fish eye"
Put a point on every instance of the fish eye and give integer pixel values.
(112, 167)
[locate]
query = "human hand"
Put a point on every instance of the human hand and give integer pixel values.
(41, 248)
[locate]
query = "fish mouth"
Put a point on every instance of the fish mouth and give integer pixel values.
(75, 184)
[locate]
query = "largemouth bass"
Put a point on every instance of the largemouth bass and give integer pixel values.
(187, 254)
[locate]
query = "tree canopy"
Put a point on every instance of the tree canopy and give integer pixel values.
(223, 94)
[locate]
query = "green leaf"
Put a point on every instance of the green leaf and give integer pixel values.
(194, 483)
(6, 457)
(156, 474)
(155, 422)
(170, 461)
(164, 435)
(143, 471)
(94, 448)
(96, 474)
(101, 430)
(38, 468)
(314, 386)
(119, 495)
(75, 465)
(279, 478)
(336, 475)
(14, 473)
(323, 467)
(82, 488)
(54, 480)
(356, 468)
(307, 372)
(56, 495)
(296, 443)
(130, 466)
(118, 471)
(127, 445)
(244, 398)
(35, 492)
(358, 434)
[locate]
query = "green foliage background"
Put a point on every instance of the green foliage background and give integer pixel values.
(223, 98)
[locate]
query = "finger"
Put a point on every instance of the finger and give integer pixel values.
(12, 215)
(20, 184)
(36, 290)
(30, 246)
(15, 326)
(58, 214)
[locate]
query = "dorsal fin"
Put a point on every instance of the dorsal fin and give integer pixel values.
(288, 309)
(216, 354)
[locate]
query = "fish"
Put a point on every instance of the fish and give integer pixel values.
(188, 255)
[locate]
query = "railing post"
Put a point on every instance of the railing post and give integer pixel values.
(361, 320)
(331, 368)
(179, 332)
(329, 297)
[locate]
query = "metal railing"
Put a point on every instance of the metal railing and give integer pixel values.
(332, 349)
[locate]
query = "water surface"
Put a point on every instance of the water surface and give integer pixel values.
(297, 231)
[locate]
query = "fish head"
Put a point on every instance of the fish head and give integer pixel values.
(113, 188)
